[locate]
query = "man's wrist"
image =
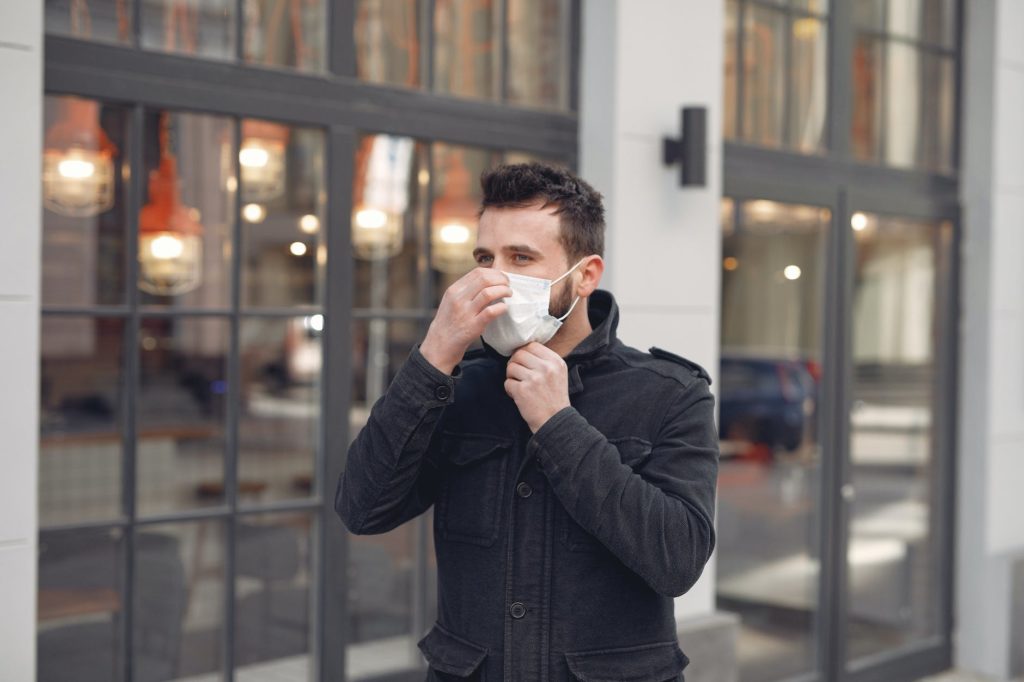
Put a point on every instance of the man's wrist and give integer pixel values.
(439, 360)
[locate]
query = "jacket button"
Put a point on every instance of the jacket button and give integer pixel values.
(442, 392)
(524, 489)
(518, 610)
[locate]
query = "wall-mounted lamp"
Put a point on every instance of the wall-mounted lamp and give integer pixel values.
(690, 149)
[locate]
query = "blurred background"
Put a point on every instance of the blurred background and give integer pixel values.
(229, 221)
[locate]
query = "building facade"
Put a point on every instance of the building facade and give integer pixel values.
(230, 220)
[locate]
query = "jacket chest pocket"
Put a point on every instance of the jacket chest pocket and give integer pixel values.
(469, 504)
(634, 451)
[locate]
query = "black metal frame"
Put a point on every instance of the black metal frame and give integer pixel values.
(344, 108)
(835, 180)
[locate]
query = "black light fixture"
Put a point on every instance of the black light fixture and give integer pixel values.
(690, 149)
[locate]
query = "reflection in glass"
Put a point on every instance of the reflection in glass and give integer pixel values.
(197, 29)
(538, 53)
(83, 243)
(387, 38)
(273, 591)
(80, 605)
(891, 552)
(179, 600)
(281, 361)
(389, 190)
(453, 214)
(769, 482)
(187, 214)
(808, 76)
(100, 20)
(80, 419)
(928, 21)
(381, 567)
(280, 33)
(182, 395)
(466, 53)
(764, 74)
(283, 252)
(903, 104)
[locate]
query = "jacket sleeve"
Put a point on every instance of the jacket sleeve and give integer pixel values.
(391, 472)
(659, 519)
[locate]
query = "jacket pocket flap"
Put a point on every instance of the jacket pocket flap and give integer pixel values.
(641, 663)
(633, 449)
(450, 653)
(463, 448)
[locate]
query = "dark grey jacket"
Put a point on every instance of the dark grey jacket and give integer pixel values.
(559, 552)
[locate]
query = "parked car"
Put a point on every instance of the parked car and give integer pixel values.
(768, 401)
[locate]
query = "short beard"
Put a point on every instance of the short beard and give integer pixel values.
(561, 305)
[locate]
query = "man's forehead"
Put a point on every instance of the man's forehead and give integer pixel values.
(503, 228)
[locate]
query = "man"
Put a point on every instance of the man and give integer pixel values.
(574, 481)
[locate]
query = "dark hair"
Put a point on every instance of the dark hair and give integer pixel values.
(578, 205)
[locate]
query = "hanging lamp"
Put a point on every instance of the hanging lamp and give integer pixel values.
(453, 220)
(170, 235)
(78, 161)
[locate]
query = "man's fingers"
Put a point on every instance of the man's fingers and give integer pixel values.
(524, 357)
(489, 294)
(488, 313)
(516, 371)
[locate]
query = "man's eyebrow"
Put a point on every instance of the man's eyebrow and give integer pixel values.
(522, 248)
(513, 248)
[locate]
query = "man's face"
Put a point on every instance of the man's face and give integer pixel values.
(525, 241)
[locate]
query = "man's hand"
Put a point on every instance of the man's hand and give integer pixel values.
(537, 379)
(464, 312)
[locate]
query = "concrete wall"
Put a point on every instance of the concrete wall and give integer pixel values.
(21, 88)
(641, 62)
(990, 528)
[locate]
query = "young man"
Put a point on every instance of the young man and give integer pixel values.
(573, 476)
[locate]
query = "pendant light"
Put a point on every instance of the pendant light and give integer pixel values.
(170, 235)
(453, 220)
(78, 161)
(381, 196)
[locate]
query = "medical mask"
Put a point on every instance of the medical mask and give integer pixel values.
(526, 317)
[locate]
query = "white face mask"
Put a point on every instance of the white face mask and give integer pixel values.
(526, 318)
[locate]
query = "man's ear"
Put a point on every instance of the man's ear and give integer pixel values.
(591, 275)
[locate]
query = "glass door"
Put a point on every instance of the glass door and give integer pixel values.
(898, 411)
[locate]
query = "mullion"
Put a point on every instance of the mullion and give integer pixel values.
(501, 11)
(428, 32)
(233, 410)
(741, 38)
(131, 353)
(787, 77)
(341, 60)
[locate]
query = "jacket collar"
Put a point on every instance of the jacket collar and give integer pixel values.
(604, 320)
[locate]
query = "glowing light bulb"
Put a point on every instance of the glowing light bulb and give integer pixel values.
(297, 248)
(454, 234)
(166, 247)
(792, 272)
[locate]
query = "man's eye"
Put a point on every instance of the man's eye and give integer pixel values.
(482, 259)
(523, 256)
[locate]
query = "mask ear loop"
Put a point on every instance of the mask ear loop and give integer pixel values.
(577, 300)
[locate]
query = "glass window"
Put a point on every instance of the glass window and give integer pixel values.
(178, 614)
(466, 48)
(101, 20)
(197, 29)
(538, 53)
(281, 362)
(891, 554)
(904, 83)
(188, 212)
(181, 411)
(80, 607)
(388, 196)
(283, 200)
(291, 34)
(388, 41)
(776, 73)
(274, 595)
(81, 398)
(773, 281)
(84, 190)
